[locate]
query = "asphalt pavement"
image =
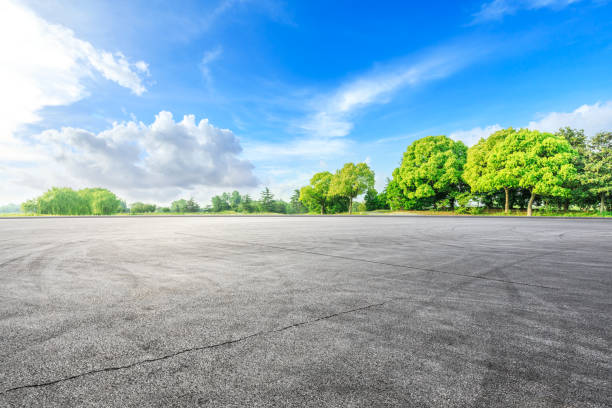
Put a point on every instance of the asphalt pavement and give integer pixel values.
(306, 311)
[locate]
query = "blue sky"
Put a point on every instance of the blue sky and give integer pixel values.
(98, 91)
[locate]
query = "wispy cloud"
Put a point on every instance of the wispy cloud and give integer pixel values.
(209, 57)
(333, 115)
(497, 9)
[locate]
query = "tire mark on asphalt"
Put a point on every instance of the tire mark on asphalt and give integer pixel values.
(192, 349)
(382, 263)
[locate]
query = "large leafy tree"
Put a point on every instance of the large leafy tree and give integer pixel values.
(351, 181)
(490, 165)
(579, 192)
(430, 172)
(101, 201)
(315, 196)
(598, 167)
(543, 161)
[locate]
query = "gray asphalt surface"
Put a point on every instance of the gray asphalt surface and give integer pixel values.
(272, 311)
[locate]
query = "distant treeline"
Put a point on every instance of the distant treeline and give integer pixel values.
(509, 169)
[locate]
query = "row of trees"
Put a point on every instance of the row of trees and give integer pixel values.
(66, 201)
(509, 169)
(332, 193)
(237, 202)
(513, 168)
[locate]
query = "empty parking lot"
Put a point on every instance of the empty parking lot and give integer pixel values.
(305, 311)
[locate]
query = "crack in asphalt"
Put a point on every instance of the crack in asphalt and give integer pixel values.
(535, 285)
(192, 349)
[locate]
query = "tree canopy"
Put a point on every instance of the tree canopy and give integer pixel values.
(430, 174)
(351, 181)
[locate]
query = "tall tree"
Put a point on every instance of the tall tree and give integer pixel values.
(544, 162)
(598, 167)
(235, 200)
(490, 165)
(579, 192)
(351, 181)
(295, 204)
(267, 200)
(315, 196)
(430, 172)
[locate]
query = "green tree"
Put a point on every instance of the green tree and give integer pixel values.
(178, 206)
(579, 192)
(101, 201)
(267, 200)
(543, 161)
(351, 181)
(598, 167)
(315, 196)
(140, 208)
(296, 206)
(62, 201)
(491, 167)
(371, 200)
(246, 204)
(431, 170)
(220, 203)
(234, 200)
(192, 206)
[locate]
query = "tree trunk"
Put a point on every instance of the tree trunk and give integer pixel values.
(322, 209)
(566, 205)
(602, 203)
(350, 205)
(530, 204)
(507, 207)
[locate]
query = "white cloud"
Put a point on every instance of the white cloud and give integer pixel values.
(162, 155)
(333, 113)
(209, 56)
(44, 64)
(591, 118)
(472, 136)
(497, 9)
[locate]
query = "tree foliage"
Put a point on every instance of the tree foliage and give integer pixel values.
(598, 166)
(315, 196)
(66, 201)
(351, 181)
(430, 174)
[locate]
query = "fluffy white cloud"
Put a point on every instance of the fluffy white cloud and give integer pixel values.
(472, 136)
(497, 9)
(44, 64)
(591, 118)
(163, 155)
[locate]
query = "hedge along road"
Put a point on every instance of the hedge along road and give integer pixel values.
(305, 311)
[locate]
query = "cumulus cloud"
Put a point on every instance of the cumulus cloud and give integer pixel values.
(591, 118)
(44, 64)
(496, 10)
(472, 136)
(163, 155)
